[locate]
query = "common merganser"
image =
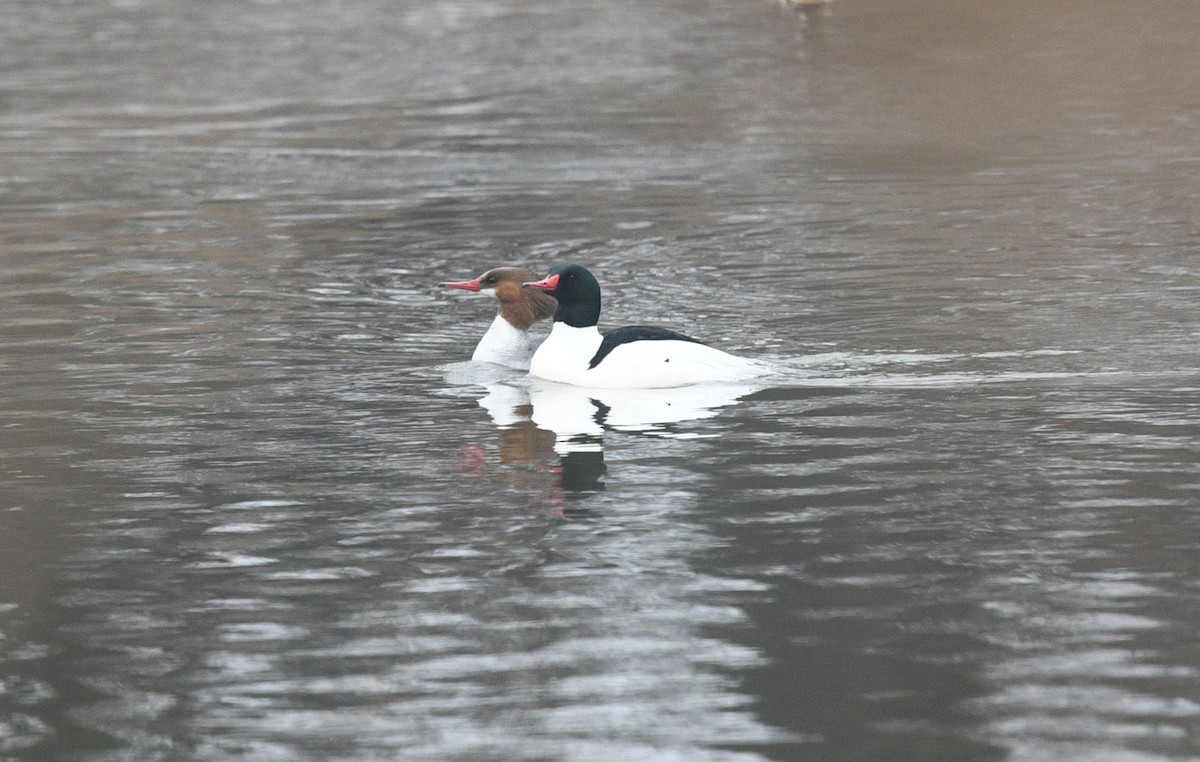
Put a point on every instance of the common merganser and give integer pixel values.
(633, 357)
(507, 340)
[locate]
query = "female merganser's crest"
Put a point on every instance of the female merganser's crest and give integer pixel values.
(507, 340)
(633, 357)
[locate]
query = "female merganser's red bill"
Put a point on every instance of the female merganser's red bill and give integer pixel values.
(507, 340)
(633, 357)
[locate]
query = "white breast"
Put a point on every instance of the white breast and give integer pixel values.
(565, 353)
(504, 345)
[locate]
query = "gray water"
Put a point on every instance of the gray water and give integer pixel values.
(254, 506)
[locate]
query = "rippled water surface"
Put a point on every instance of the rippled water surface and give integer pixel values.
(255, 505)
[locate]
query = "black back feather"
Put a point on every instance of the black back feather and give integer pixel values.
(618, 336)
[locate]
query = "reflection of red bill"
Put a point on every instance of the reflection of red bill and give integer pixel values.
(472, 459)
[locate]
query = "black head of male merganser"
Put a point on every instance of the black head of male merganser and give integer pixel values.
(507, 341)
(633, 357)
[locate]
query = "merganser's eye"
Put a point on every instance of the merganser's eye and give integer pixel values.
(490, 280)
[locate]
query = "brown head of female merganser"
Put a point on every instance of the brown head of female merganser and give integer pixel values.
(507, 341)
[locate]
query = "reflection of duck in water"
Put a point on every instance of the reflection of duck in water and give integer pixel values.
(580, 418)
(633, 357)
(507, 340)
(540, 421)
(519, 454)
(521, 441)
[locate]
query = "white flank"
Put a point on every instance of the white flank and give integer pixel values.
(565, 354)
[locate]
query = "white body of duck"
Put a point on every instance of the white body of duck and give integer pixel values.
(507, 341)
(633, 357)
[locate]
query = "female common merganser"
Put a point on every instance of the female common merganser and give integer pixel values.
(633, 357)
(507, 340)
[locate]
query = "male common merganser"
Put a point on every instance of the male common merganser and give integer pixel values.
(507, 341)
(633, 357)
